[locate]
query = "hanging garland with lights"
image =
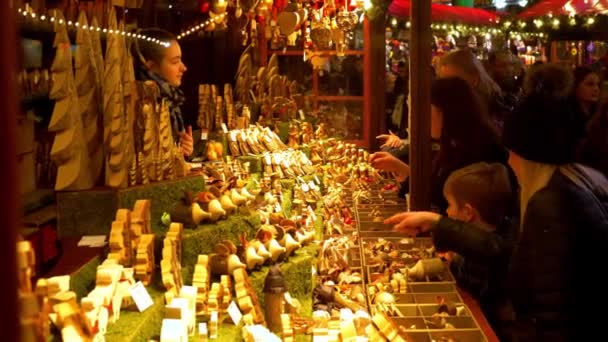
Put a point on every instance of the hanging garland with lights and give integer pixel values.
(29, 14)
(551, 23)
(217, 18)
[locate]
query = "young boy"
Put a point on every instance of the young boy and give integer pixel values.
(480, 195)
(481, 205)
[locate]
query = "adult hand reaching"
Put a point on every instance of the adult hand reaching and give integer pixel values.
(392, 140)
(186, 143)
(414, 222)
(387, 162)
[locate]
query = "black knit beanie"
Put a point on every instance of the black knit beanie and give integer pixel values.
(546, 127)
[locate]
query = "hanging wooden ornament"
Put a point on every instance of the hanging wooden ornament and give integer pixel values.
(288, 22)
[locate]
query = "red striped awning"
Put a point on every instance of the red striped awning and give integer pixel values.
(465, 15)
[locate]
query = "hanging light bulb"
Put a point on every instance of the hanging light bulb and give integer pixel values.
(239, 11)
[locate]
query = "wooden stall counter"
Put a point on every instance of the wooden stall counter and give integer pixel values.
(475, 309)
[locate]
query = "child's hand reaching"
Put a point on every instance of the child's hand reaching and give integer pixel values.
(413, 223)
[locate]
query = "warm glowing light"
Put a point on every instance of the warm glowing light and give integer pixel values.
(28, 13)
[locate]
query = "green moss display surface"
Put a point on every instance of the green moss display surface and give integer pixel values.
(91, 212)
(80, 281)
(203, 239)
(297, 271)
(135, 326)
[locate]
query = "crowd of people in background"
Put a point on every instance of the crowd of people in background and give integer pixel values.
(519, 189)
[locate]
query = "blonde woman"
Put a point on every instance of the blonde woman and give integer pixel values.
(564, 218)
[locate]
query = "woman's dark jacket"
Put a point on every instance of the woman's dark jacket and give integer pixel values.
(551, 285)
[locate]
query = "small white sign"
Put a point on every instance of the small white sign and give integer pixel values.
(202, 330)
(224, 128)
(204, 134)
(141, 296)
(234, 313)
(92, 241)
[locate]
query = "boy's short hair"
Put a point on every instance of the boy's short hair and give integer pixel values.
(486, 187)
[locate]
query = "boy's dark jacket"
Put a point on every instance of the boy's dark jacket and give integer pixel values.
(481, 268)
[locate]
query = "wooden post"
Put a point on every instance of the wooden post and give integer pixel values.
(420, 107)
(374, 89)
(9, 202)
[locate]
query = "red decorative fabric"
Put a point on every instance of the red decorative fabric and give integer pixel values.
(464, 15)
(565, 7)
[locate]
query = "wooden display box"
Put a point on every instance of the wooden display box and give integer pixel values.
(91, 212)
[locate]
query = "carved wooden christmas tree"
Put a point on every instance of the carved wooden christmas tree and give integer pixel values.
(115, 119)
(88, 86)
(149, 114)
(130, 98)
(69, 151)
(165, 149)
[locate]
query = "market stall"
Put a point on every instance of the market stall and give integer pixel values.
(574, 31)
(274, 231)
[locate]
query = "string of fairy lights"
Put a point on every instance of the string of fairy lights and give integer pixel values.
(537, 27)
(213, 20)
(31, 15)
(552, 22)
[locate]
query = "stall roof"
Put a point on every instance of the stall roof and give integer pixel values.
(565, 7)
(465, 15)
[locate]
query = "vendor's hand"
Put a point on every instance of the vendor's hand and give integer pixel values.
(387, 162)
(392, 140)
(186, 143)
(414, 222)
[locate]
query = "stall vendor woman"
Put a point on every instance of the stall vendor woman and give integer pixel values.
(163, 64)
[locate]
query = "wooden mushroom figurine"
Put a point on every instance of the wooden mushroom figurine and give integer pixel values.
(188, 212)
(266, 234)
(249, 254)
(426, 268)
(224, 260)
